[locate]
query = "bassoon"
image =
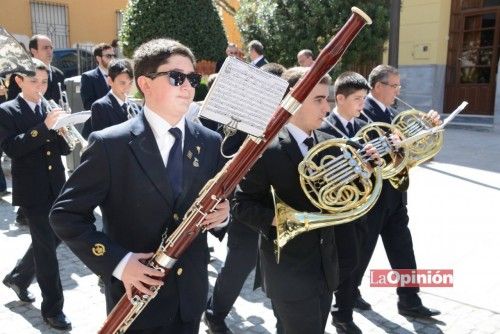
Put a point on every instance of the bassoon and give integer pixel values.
(221, 186)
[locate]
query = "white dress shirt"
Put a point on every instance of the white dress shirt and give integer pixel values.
(343, 120)
(299, 135)
(165, 141)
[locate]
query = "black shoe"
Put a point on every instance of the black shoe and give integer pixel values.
(417, 311)
(362, 304)
(22, 293)
(58, 322)
(346, 327)
(215, 326)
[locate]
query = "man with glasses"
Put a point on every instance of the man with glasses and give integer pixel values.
(389, 217)
(94, 83)
(144, 174)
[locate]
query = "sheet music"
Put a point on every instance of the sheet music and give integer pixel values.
(75, 118)
(244, 94)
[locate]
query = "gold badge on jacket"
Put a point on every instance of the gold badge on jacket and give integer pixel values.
(98, 249)
(34, 133)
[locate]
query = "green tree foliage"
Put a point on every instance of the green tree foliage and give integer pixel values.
(287, 26)
(195, 23)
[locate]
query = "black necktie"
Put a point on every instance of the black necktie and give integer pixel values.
(38, 111)
(309, 142)
(174, 163)
(387, 114)
(350, 130)
(124, 107)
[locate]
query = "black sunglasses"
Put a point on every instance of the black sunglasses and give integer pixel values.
(177, 78)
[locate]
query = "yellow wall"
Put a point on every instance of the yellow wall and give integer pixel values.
(424, 23)
(86, 23)
(90, 21)
(230, 26)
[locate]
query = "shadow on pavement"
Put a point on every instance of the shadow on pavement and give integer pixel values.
(32, 315)
(426, 326)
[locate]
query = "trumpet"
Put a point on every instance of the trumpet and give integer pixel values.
(69, 133)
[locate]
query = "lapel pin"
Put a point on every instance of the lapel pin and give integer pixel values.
(198, 148)
(196, 163)
(190, 154)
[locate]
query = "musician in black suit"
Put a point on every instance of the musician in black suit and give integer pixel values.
(389, 217)
(37, 177)
(151, 169)
(93, 84)
(241, 244)
(114, 107)
(41, 47)
(256, 53)
(350, 90)
(301, 285)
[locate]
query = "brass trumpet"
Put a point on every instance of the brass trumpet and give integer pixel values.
(69, 133)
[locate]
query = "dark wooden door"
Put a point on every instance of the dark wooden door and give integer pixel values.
(473, 50)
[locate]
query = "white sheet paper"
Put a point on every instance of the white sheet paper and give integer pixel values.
(244, 96)
(75, 118)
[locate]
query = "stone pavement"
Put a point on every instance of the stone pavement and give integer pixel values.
(454, 222)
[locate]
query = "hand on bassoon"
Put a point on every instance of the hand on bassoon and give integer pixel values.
(218, 216)
(138, 275)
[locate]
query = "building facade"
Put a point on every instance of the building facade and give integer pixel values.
(448, 53)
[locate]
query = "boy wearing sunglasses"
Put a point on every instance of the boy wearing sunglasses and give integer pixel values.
(144, 174)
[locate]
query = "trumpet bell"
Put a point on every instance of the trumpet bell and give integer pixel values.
(411, 122)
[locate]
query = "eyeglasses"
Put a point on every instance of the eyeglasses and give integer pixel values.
(395, 86)
(177, 78)
(109, 56)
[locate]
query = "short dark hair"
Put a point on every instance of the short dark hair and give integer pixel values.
(99, 48)
(294, 74)
(118, 66)
(151, 55)
(274, 68)
(349, 82)
(39, 65)
(33, 43)
(256, 46)
(381, 74)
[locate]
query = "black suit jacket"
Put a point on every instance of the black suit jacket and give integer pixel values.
(37, 169)
(333, 119)
(348, 236)
(55, 76)
(106, 112)
(376, 114)
(122, 172)
(308, 263)
(93, 86)
(263, 61)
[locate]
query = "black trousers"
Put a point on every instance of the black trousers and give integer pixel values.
(348, 242)
(41, 260)
(302, 316)
(241, 259)
(389, 219)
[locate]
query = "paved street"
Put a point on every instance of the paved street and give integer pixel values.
(454, 222)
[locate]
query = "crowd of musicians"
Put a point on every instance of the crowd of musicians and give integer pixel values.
(145, 166)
